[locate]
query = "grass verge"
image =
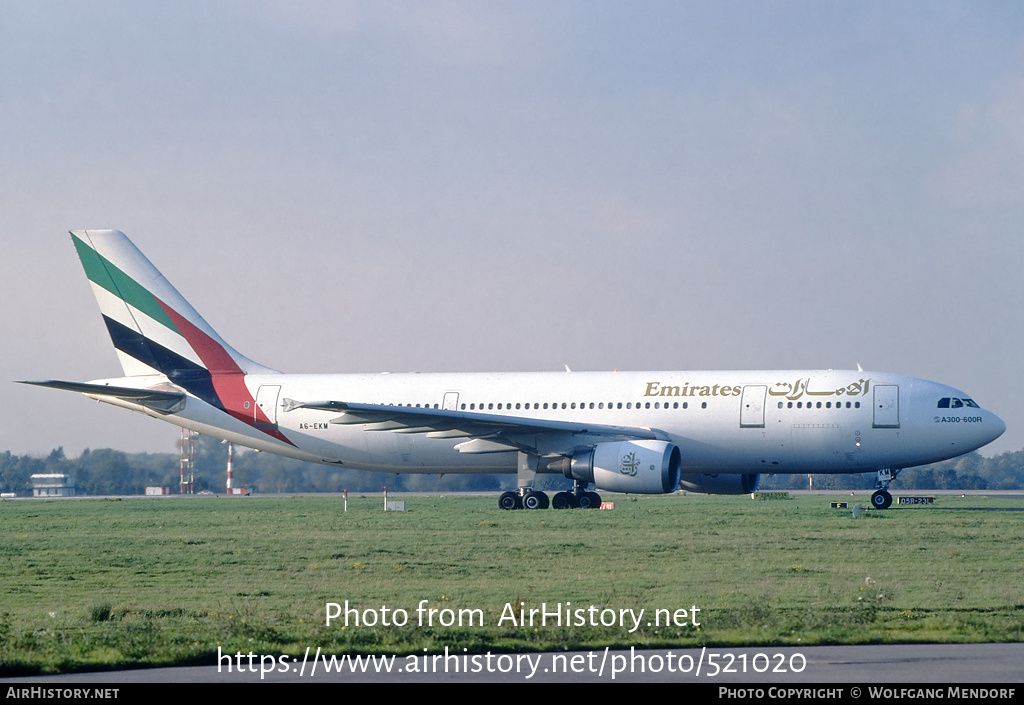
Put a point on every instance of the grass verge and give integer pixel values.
(95, 583)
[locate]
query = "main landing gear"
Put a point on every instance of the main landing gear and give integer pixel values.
(528, 498)
(578, 498)
(881, 499)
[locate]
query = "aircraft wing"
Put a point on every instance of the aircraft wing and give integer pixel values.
(164, 401)
(485, 433)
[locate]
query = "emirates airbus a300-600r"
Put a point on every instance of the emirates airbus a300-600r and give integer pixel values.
(635, 432)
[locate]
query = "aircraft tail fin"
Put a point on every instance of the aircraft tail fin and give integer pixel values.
(153, 328)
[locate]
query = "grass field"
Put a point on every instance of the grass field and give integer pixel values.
(98, 583)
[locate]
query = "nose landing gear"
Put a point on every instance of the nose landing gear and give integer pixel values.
(881, 499)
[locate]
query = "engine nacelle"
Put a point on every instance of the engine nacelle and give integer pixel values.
(640, 467)
(724, 483)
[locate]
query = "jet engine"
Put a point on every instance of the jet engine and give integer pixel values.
(724, 483)
(640, 467)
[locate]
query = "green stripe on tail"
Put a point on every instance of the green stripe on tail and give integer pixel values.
(105, 274)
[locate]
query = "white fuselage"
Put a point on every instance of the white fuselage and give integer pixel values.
(799, 421)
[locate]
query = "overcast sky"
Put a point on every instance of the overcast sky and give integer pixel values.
(447, 186)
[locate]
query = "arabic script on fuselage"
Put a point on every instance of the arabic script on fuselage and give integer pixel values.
(790, 390)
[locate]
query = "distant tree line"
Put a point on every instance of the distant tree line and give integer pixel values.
(112, 472)
(968, 472)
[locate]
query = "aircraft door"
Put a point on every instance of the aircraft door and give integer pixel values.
(887, 406)
(752, 406)
(265, 413)
(451, 401)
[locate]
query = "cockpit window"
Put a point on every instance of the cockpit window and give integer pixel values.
(954, 403)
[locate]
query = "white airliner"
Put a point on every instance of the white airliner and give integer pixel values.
(636, 432)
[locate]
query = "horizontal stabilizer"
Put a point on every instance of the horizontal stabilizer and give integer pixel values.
(159, 400)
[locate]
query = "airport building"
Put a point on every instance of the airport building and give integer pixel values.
(53, 485)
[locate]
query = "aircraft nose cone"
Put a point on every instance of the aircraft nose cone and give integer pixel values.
(995, 428)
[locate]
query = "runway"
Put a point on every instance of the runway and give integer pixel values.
(900, 664)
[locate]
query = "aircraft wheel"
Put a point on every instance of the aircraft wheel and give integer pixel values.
(881, 500)
(563, 500)
(535, 500)
(589, 500)
(509, 500)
